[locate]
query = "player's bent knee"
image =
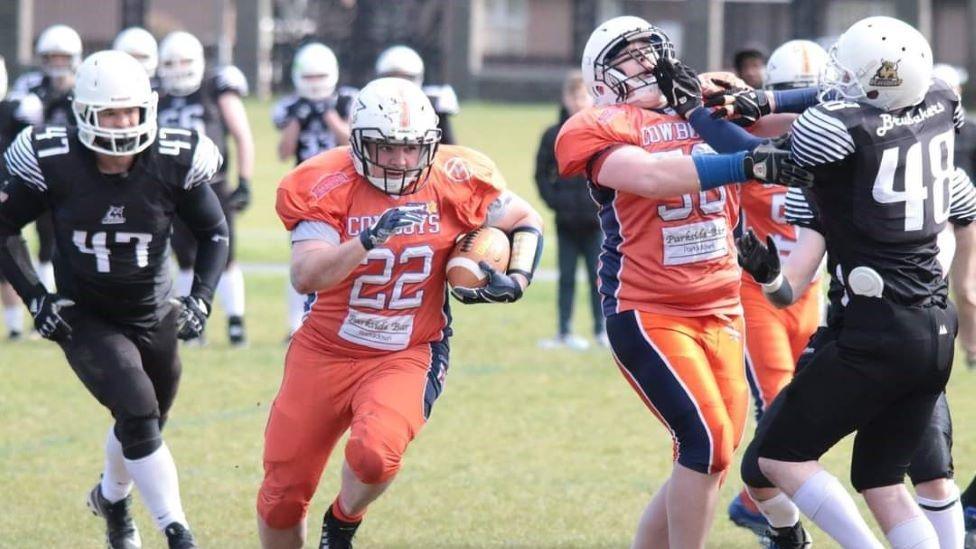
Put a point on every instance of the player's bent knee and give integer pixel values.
(139, 436)
(371, 460)
(282, 509)
(751, 474)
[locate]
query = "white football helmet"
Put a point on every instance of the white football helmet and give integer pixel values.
(112, 80)
(950, 75)
(393, 111)
(59, 40)
(402, 62)
(602, 57)
(181, 63)
(315, 72)
(139, 43)
(881, 61)
(795, 64)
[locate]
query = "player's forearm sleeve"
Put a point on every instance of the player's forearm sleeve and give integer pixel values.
(722, 135)
(200, 210)
(779, 292)
(796, 101)
(15, 262)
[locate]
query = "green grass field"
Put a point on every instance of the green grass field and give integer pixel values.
(524, 449)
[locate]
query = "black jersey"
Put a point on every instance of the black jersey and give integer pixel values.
(199, 110)
(56, 104)
(314, 135)
(801, 213)
(883, 184)
(112, 231)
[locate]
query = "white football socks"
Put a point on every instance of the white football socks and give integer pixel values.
(159, 486)
(914, 533)
(779, 511)
(946, 517)
(829, 506)
(116, 480)
(230, 291)
(296, 308)
(184, 282)
(13, 318)
(45, 271)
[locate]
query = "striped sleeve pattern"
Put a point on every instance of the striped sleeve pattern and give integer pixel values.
(958, 116)
(799, 212)
(21, 160)
(819, 138)
(206, 161)
(963, 199)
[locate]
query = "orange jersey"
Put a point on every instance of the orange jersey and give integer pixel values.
(673, 256)
(397, 297)
(764, 211)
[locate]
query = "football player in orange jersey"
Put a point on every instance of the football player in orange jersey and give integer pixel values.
(668, 273)
(372, 226)
(775, 337)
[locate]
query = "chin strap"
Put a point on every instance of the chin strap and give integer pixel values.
(526, 251)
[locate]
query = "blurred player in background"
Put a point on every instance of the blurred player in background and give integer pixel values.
(403, 62)
(59, 53)
(114, 184)
(775, 337)
(750, 66)
(313, 120)
(209, 103)
(668, 271)
(577, 225)
(140, 43)
(13, 313)
(372, 228)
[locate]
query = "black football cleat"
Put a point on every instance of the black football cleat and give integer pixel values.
(178, 537)
(236, 334)
(337, 534)
(120, 530)
(789, 537)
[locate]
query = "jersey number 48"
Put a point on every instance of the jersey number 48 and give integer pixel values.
(941, 167)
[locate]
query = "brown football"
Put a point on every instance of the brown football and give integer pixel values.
(482, 244)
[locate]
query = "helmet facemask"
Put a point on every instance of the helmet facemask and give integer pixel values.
(655, 45)
(394, 180)
(116, 141)
(839, 82)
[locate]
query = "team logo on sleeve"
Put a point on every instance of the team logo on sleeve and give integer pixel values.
(887, 75)
(114, 216)
(457, 169)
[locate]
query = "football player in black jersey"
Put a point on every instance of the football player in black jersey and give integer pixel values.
(58, 50)
(13, 316)
(313, 120)
(403, 62)
(139, 43)
(881, 148)
(115, 184)
(211, 104)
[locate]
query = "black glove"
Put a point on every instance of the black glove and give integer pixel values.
(679, 84)
(742, 106)
(192, 317)
(388, 223)
(48, 321)
(770, 164)
(501, 288)
(761, 261)
(240, 198)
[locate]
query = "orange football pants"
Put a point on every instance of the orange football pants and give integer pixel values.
(775, 338)
(689, 371)
(383, 402)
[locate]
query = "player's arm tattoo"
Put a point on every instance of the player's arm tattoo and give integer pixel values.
(498, 208)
